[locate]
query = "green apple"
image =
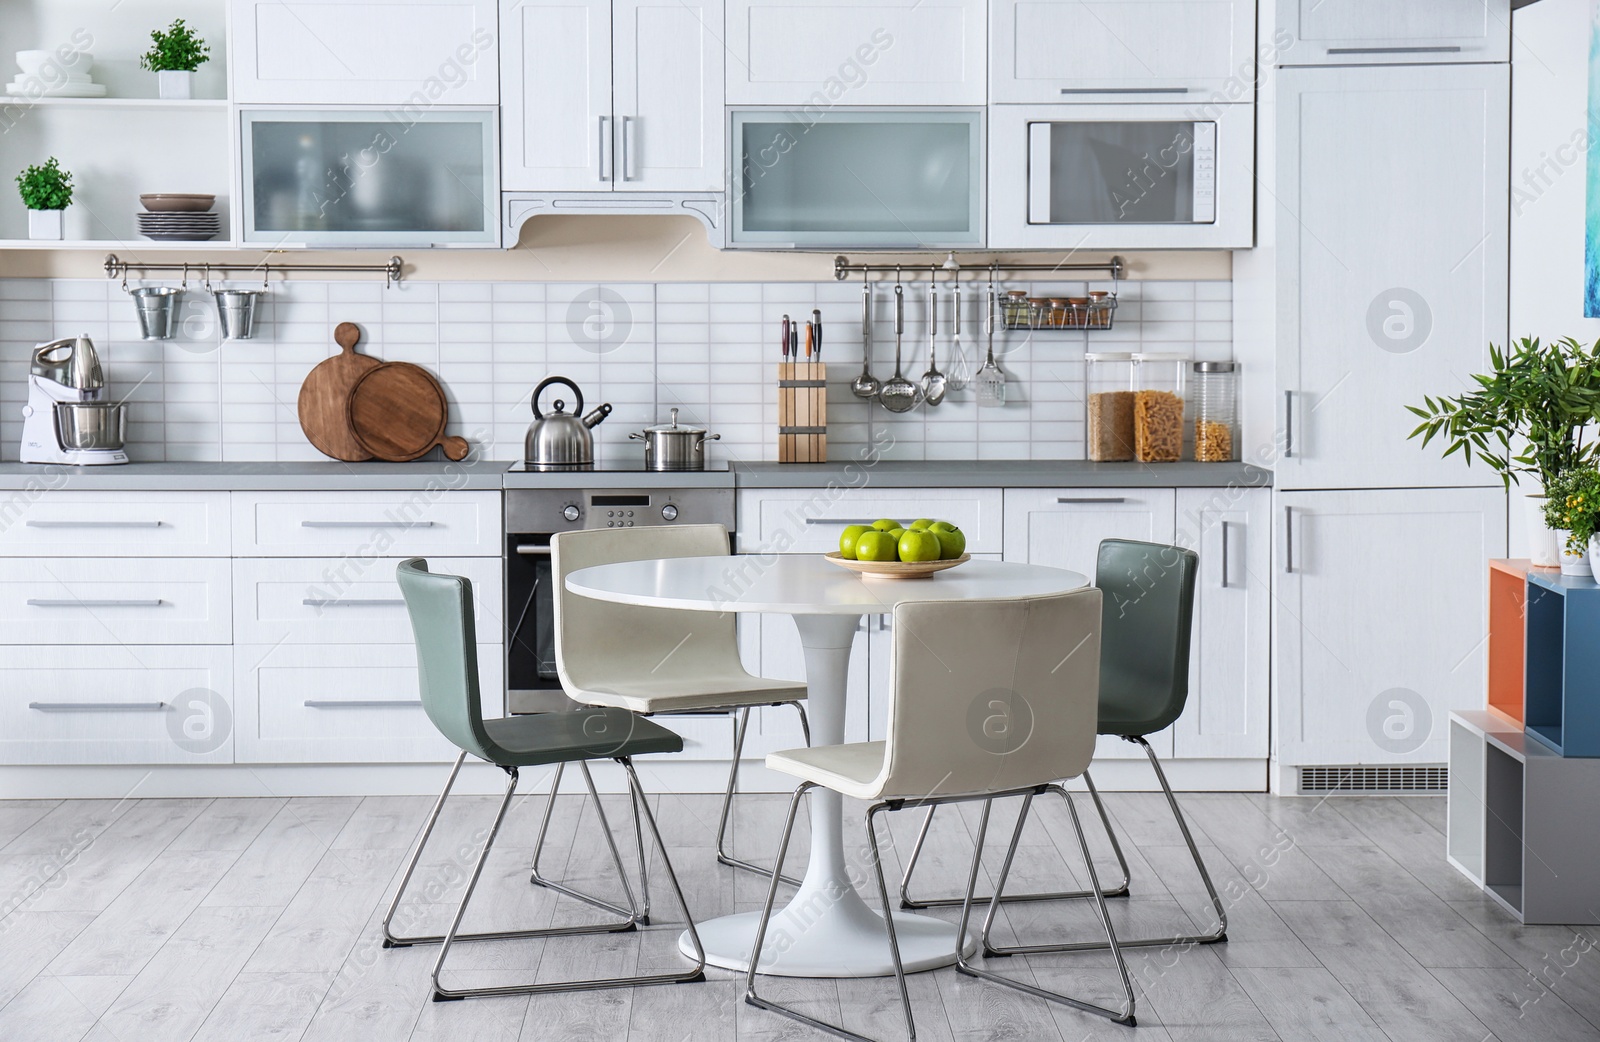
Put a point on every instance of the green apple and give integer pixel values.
(875, 546)
(920, 545)
(952, 541)
(895, 534)
(885, 524)
(847, 540)
(920, 522)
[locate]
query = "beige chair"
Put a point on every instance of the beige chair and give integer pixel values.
(990, 699)
(657, 661)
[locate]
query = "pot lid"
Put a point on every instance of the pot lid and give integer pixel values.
(674, 427)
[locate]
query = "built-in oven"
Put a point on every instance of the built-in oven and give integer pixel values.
(1123, 176)
(533, 516)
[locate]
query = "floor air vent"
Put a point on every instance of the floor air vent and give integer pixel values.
(1356, 780)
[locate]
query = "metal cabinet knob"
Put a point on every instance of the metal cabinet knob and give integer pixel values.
(669, 513)
(570, 512)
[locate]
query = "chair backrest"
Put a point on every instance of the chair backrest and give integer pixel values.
(991, 695)
(1145, 636)
(442, 622)
(598, 641)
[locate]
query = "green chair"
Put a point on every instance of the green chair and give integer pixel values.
(1144, 686)
(441, 613)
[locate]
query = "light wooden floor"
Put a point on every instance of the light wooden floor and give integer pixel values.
(232, 920)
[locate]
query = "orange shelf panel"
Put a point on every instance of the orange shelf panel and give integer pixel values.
(1508, 605)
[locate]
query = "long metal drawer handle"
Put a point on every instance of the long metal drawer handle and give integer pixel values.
(540, 551)
(94, 524)
(94, 707)
(841, 520)
(1442, 49)
(1288, 424)
(367, 524)
(333, 602)
(42, 602)
(1091, 499)
(1288, 540)
(1225, 555)
(1125, 90)
(356, 703)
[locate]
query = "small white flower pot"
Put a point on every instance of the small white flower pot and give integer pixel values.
(44, 224)
(176, 85)
(1573, 563)
(1542, 547)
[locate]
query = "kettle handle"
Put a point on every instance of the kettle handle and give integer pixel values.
(546, 382)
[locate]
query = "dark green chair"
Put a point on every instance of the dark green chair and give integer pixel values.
(1146, 626)
(441, 613)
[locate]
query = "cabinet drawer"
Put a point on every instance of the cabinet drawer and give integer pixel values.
(121, 704)
(810, 520)
(321, 703)
(365, 525)
(113, 524)
(336, 600)
(74, 601)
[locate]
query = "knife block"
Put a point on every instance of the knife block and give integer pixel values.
(802, 412)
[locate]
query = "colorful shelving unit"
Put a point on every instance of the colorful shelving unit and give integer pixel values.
(1523, 820)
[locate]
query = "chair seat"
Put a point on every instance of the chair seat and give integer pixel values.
(673, 694)
(582, 734)
(851, 769)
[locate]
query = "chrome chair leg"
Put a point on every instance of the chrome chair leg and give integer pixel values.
(1119, 889)
(389, 938)
(441, 993)
(741, 727)
(1123, 1016)
(633, 911)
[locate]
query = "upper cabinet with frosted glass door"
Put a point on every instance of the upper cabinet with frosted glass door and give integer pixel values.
(612, 96)
(1173, 51)
(1376, 32)
(412, 53)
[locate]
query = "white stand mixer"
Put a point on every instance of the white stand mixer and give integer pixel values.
(65, 421)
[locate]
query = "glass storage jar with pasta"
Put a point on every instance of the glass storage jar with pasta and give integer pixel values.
(1216, 411)
(1158, 406)
(1108, 423)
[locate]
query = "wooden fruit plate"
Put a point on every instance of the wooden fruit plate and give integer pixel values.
(896, 569)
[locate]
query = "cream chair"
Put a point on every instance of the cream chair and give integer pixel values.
(656, 661)
(990, 699)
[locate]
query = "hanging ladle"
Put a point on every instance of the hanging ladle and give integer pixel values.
(933, 381)
(866, 385)
(899, 394)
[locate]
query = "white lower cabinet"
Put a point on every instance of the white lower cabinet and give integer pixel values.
(1379, 620)
(132, 601)
(124, 704)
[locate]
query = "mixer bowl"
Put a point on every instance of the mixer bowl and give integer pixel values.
(91, 425)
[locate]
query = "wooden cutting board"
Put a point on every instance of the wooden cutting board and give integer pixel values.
(397, 412)
(325, 397)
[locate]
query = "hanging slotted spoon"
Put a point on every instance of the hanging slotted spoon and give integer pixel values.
(897, 393)
(933, 381)
(991, 379)
(866, 385)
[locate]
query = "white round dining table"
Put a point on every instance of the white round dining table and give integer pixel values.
(826, 930)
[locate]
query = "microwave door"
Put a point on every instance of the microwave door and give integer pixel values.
(1039, 173)
(1121, 172)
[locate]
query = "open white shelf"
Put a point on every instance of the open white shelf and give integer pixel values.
(128, 246)
(23, 103)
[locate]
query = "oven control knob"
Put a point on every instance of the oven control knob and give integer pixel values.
(571, 512)
(669, 513)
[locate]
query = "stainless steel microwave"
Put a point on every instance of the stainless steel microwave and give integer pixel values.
(1122, 176)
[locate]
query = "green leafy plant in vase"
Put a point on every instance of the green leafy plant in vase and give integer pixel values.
(1572, 509)
(173, 56)
(1525, 417)
(46, 191)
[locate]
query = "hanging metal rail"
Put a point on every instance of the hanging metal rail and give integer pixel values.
(842, 268)
(116, 267)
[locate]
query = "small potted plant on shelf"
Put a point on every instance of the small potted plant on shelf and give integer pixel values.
(1573, 510)
(173, 56)
(46, 191)
(1527, 416)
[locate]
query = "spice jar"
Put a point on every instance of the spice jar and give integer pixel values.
(1158, 404)
(1216, 411)
(1108, 424)
(1014, 310)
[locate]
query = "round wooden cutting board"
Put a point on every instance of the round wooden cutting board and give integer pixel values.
(397, 412)
(325, 397)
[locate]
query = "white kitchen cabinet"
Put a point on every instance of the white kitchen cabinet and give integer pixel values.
(1230, 671)
(1121, 50)
(67, 523)
(360, 527)
(1369, 32)
(72, 600)
(883, 52)
(411, 53)
(811, 520)
(1379, 620)
(1062, 528)
(621, 96)
(1392, 198)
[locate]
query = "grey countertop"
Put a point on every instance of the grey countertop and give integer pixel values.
(493, 474)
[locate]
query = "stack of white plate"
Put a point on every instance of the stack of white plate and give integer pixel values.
(180, 226)
(43, 76)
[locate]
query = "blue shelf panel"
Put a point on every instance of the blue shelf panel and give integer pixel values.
(1561, 677)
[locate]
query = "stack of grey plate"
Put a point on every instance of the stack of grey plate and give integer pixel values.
(174, 217)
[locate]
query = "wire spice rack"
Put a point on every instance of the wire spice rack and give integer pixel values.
(1018, 311)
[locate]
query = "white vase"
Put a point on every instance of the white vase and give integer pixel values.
(1573, 563)
(1543, 549)
(176, 85)
(44, 224)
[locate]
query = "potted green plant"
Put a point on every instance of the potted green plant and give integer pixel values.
(1573, 510)
(1526, 417)
(173, 56)
(46, 191)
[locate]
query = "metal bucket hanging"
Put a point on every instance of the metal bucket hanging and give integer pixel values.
(236, 308)
(158, 310)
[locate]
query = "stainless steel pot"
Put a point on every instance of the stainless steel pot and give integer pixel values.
(669, 446)
(561, 440)
(91, 425)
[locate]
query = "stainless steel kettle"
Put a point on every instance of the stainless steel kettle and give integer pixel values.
(561, 440)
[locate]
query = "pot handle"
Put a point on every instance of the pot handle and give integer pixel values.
(700, 446)
(546, 382)
(636, 436)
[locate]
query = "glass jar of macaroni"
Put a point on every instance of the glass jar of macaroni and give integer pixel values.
(1159, 385)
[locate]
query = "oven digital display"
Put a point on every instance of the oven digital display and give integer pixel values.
(619, 501)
